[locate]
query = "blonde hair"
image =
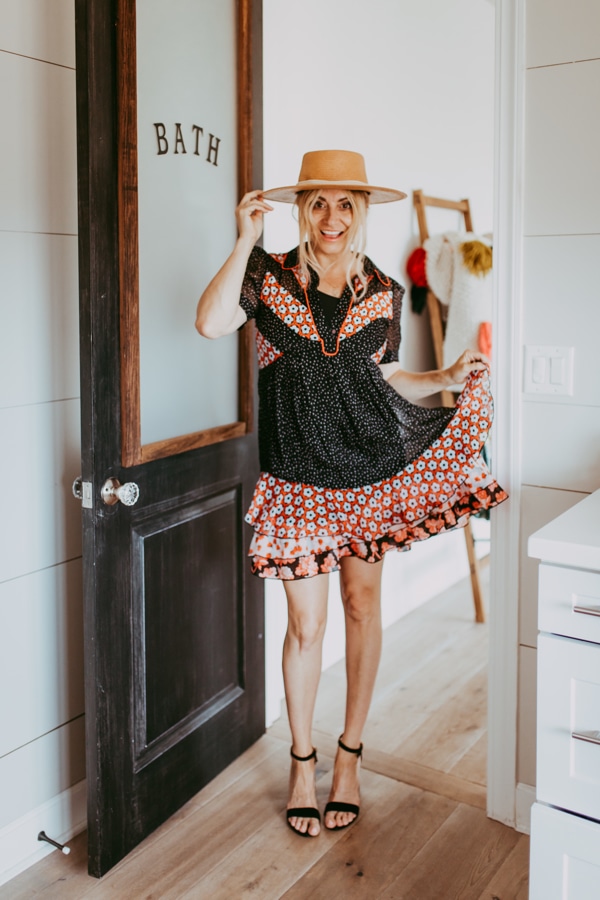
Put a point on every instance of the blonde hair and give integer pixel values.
(356, 237)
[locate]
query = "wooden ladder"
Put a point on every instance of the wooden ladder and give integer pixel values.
(421, 201)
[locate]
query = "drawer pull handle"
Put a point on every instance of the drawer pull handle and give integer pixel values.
(591, 737)
(587, 610)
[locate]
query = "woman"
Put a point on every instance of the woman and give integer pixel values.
(351, 468)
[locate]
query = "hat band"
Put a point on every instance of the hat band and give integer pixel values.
(317, 181)
(314, 183)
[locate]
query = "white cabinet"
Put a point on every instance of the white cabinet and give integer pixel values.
(565, 856)
(568, 725)
(569, 602)
(565, 820)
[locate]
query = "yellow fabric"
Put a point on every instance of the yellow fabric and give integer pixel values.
(477, 257)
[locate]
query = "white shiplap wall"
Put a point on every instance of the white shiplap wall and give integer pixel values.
(561, 253)
(41, 668)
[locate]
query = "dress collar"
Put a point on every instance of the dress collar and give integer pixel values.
(290, 261)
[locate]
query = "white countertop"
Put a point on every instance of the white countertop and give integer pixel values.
(572, 539)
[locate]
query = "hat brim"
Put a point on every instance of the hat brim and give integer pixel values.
(376, 194)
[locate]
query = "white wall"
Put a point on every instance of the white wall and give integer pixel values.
(41, 671)
(411, 86)
(561, 254)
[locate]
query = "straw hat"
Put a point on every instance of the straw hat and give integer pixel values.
(342, 169)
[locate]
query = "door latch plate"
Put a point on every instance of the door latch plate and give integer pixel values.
(83, 491)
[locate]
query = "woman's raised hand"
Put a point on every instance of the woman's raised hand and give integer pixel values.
(467, 362)
(249, 215)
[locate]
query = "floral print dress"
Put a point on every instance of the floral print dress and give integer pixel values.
(350, 467)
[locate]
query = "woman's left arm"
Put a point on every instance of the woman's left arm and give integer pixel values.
(416, 385)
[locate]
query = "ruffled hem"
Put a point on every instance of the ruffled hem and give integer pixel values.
(302, 530)
(290, 560)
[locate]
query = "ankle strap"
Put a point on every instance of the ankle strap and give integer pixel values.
(312, 755)
(357, 752)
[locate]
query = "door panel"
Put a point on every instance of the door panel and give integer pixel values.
(200, 624)
(173, 620)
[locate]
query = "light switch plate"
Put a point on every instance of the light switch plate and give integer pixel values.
(548, 371)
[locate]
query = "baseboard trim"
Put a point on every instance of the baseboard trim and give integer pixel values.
(524, 800)
(61, 818)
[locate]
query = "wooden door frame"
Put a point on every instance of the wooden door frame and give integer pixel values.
(502, 793)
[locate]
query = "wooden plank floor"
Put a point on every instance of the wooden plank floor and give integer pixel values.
(422, 833)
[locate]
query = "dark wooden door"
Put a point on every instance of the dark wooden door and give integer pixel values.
(174, 655)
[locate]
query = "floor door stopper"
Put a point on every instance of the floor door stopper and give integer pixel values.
(42, 836)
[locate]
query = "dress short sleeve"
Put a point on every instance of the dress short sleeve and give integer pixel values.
(393, 335)
(253, 281)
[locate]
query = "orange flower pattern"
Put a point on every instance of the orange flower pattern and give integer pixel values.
(266, 353)
(319, 555)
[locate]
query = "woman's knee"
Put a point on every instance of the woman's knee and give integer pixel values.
(307, 610)
(307, 630)
(361, 589)
(361, 602)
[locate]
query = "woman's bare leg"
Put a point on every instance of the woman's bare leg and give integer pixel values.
(361, 595)
(302, 655)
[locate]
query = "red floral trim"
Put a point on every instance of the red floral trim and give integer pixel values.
(298, 316)
(292, 312)
(379, 354)
(377, 306)
(266, 353)
(453, 516)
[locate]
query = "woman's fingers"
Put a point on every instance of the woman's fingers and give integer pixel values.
(467, 362)
(253, 202)
(473, 356)
(473, 361)
(249, 214)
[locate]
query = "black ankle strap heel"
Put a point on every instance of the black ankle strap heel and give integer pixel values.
(337, 805)
(303, 812)
(357, 752)
(312, 755)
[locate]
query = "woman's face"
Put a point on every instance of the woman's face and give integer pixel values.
(330, 219)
